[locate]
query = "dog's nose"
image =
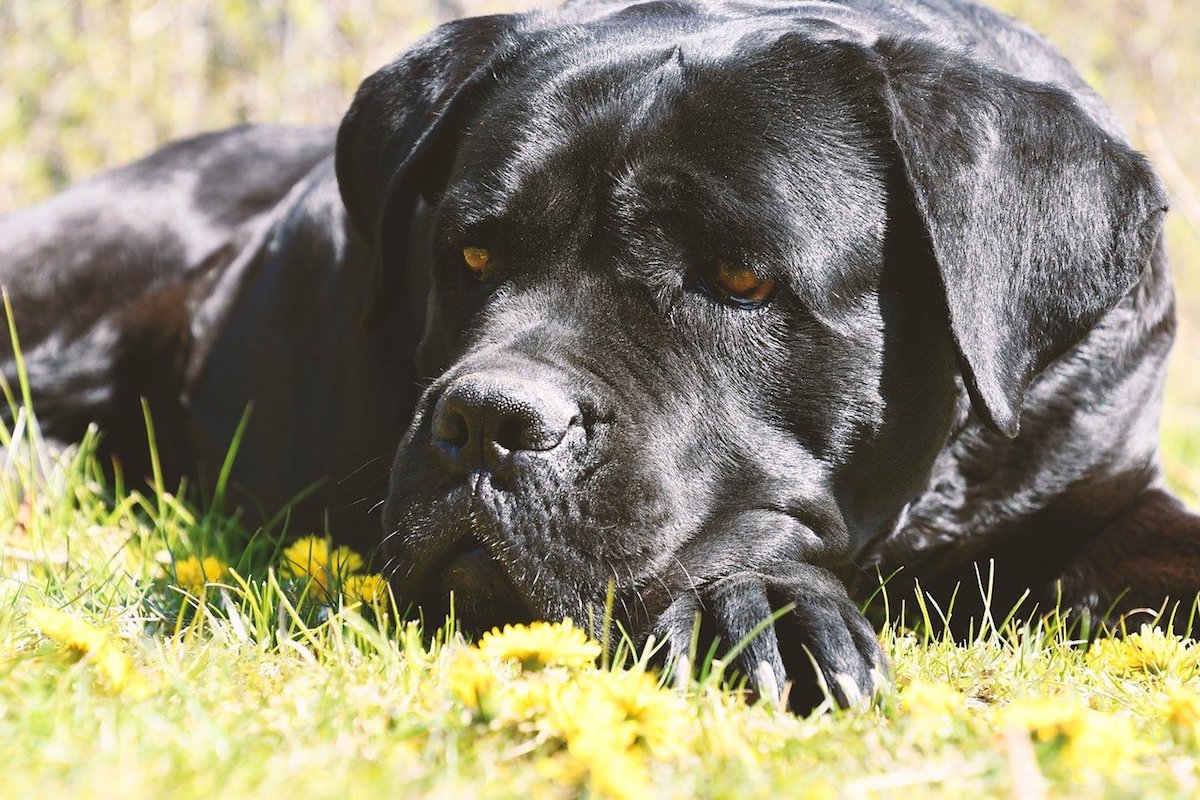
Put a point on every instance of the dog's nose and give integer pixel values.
(482, 418)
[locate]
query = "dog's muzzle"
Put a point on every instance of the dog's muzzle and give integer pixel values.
(500, 439)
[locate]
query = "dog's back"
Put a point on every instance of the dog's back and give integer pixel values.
(103, 278)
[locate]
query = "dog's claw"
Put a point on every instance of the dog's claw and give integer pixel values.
(768, 686)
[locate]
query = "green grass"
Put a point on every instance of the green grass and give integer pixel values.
(268, 683)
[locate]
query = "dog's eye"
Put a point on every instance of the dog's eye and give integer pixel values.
(741, 285)
(477, 259)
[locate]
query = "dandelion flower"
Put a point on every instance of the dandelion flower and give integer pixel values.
(540, 644)
(1107, 744)
(1149, 651)
(1182, 715)
(472, 679)
(193, 574)
(73, 634)
(370, 590)
(933, 709)
(584, 712)
(1085, 741)
(620, 774)
(600, 741)
(529, 696)
(657, 714)
(85, 640)
(1047, 719)
(312, 558)
(926, 698)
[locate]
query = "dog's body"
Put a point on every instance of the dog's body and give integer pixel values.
(756, 298)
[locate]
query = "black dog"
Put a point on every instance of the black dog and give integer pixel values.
(723, 305)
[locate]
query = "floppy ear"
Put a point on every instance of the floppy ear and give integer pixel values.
(1040, 220)
(397, 138)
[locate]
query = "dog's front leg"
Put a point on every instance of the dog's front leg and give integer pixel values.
(820, 643)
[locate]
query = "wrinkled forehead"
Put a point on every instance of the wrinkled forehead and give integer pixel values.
(760, 133)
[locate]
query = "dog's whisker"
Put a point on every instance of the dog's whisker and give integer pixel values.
(370, 461)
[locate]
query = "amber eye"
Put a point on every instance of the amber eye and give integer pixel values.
(742, 285)
(477, 259)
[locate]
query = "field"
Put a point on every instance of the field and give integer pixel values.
(152, 646)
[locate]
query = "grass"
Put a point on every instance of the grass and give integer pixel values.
(151, 648)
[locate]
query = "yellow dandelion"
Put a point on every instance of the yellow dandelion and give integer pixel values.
(620, 774)
(312, 558)
(719, 734)
(929, 699)
(528, 696)
(612, 772)
(1148, 651)
(370, 590)
(1107, 744)
(600, 741)
(472, 679)
(584, 710)
(73, 634)
(85, 640)
(1182, 715)
(931, 709)
(657, 714)
(494, 693)
(1047, 719)
(193, 574)
(541, 644)
(1085, 742)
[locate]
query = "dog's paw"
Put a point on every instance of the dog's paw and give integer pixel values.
(821, 646)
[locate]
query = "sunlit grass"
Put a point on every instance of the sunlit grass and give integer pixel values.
(151, 648)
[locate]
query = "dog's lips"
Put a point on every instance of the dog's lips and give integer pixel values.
(469, 569)
(474, 587)
(433, 529)
(452, 572)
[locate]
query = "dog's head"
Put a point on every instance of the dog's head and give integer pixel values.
(707, 295)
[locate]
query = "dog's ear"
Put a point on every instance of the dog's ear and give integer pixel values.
(1039, 219)
(396, 141)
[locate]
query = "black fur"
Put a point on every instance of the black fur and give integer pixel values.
(962, 359)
